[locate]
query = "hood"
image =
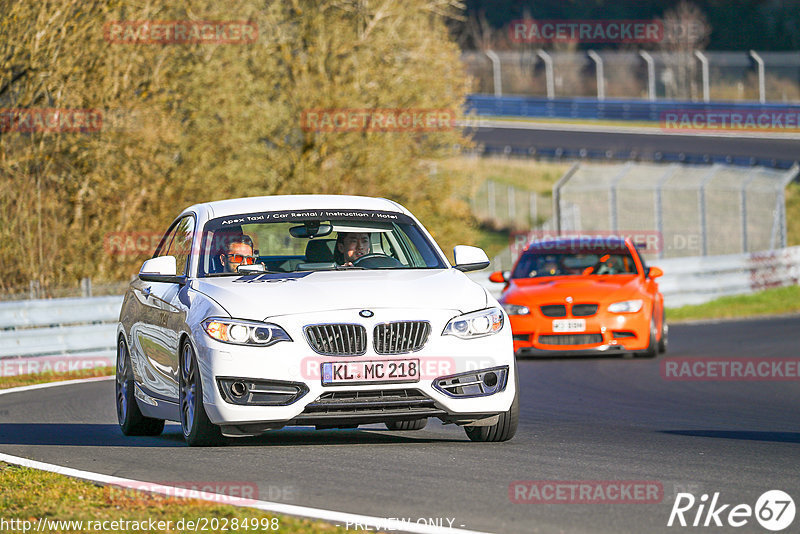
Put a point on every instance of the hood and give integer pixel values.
(259, 297)
(596, 288)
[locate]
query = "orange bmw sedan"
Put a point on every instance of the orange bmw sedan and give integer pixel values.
(579, 296)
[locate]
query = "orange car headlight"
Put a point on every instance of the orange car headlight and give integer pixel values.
(626, 306)
(516, 309)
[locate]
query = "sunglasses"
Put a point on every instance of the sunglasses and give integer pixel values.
(241, 258)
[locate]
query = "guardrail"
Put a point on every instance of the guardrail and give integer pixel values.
(58, 331)
(609, 109)
(696, 280)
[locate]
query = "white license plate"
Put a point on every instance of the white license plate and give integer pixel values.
(569, 325)
(370, 372)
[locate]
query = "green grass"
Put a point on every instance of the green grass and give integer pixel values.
(39, 494)
(782, 300)
(40, 378)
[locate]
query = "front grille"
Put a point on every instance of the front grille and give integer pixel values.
(360, 402)
(520, 337)
(554, 310)
(584, 310)
(337, 339)
(570, 339)
(400, 337)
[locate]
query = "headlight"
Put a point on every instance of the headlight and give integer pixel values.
(626, 306)
(516, 309)
(475, 324)
(242, 332)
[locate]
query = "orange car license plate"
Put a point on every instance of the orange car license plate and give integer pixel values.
(569, 325)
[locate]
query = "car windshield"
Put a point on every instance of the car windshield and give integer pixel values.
(313, 240)
(558, 263)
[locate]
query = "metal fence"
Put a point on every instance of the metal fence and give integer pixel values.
(505, 206)
(695, 210)
(696, 75)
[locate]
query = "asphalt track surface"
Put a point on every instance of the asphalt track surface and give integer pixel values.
(550, 137)
(581, 419)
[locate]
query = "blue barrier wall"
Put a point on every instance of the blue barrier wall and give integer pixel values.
(591, 108)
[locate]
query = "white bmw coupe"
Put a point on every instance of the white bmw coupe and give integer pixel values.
(327, 311)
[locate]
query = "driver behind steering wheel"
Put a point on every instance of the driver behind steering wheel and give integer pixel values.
(351, 246)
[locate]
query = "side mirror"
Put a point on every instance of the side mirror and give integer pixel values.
(654, 272)
(469, 258)
(498, 277)
(161, 269)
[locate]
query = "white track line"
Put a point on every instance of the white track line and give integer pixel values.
(331, 516)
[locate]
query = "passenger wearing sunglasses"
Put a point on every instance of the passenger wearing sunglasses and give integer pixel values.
(238, 252)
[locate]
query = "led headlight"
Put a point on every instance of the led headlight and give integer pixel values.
(242, 332)
(516, 309)
(626, 306)
(475, 324)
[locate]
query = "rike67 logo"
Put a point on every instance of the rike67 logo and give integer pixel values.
(774, 510)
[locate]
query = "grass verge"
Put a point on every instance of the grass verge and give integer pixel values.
(777, 301)
(38, 494)
(41, 378)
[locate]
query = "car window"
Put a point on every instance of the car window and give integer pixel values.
(282, 244)
(536, 264)
(181, 243)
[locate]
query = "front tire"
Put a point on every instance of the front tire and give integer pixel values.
(663, 343)
(503, 430)
(652, 347)
(414, 424)
(198, 430)
(130, 418)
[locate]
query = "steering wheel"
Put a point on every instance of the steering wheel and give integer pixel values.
(376, 261)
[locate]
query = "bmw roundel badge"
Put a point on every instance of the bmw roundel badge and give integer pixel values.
(366, 313)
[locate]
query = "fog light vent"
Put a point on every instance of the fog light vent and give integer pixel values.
(473, 383)
(251, 392)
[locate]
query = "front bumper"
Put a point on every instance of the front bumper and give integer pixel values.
(296, 363)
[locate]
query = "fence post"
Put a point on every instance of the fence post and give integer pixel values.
(743, 209)
(612, 196)
(532, 212)
(490, 200)
(548, 71)
(496, 74)
(762, 97)
(512, 207)
(557, 195)
(86, 287)
(704, 69)
(651, 74)
(601, 83)
(659, 213)
(702, 202)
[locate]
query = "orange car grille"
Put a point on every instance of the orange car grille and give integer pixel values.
(584, 310)
(554, 310)
(570, 339)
